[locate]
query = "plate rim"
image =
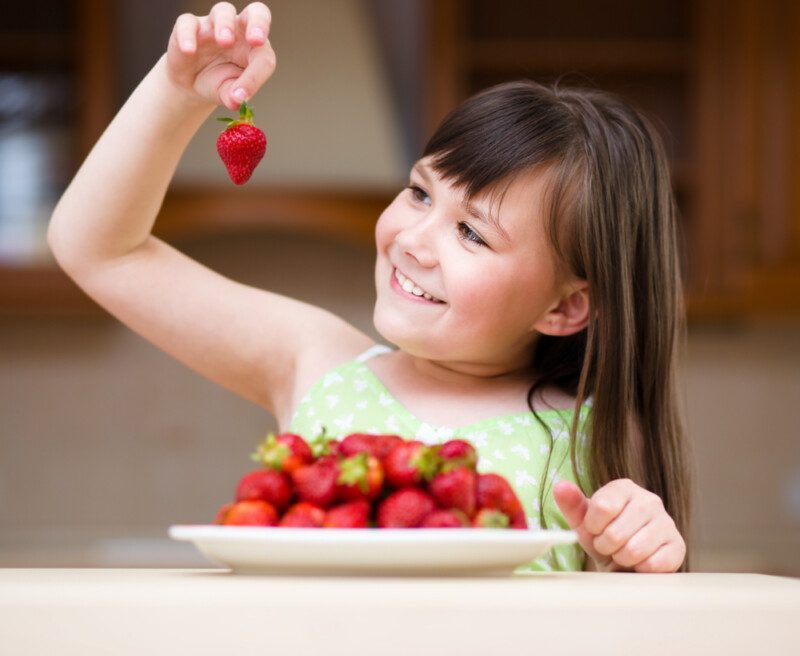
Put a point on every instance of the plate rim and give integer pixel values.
(215, 533)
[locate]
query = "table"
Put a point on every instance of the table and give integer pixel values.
(211, 611)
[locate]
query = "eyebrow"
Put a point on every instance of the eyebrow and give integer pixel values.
(467, 206)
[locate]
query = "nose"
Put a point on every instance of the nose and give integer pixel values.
(417, 241)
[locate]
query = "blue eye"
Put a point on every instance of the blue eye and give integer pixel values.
(465, 233)
(468, 234)
(416, 192)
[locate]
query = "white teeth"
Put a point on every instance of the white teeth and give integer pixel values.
(411, 287)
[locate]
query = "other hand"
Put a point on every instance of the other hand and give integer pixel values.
(224, 57)
(622, 527)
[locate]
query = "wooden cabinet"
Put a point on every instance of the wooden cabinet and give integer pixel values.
(721, 79)
(745, 236)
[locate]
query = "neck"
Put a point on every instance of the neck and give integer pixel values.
(469, 374)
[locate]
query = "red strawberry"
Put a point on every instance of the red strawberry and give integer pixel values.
(376, 445)
(450, 518)
(222, 512)
(250, 513)
(353, 514)
(322, 445)
(241, 146)
(284, 452)
(316, 483)
(303, 515)
(496, 493)
(410, 463)
(519, 520)
(360, 477)
(405, 508)
(458, 453)
(455, 489)
(489, 518)
(266, 485)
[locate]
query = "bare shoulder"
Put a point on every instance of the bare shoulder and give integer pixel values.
(337, 342)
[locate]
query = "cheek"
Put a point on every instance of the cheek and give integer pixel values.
(508, 296)
(386, 227)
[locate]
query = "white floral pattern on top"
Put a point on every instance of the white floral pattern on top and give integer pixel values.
(351, 398)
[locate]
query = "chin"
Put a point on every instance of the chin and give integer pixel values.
(400, 336)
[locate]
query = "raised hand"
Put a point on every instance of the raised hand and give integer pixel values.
(222, 58)
(622, 527)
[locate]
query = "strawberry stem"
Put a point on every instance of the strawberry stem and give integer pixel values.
(427, 462)
(353, 471)
(270, 453)
(321, 444)
(245, 116)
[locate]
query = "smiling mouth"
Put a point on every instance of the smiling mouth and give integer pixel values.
(410, 287)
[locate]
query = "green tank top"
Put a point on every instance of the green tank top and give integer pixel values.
(351, 398)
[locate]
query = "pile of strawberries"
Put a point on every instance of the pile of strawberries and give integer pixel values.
(365, 481)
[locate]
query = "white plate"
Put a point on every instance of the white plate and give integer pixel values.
(273, 550)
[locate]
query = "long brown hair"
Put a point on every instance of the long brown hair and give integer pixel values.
(612, 222)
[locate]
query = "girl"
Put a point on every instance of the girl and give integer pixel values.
(527, 276)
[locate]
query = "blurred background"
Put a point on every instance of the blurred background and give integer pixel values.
(105, 441)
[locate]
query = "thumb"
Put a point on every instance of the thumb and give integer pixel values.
(571, 502)
(573, 505)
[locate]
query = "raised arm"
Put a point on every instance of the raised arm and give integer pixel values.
(248, 340)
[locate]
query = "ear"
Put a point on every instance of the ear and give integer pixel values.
(569, 315)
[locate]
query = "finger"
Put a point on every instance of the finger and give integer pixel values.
(607, 503)
(641, 545)
(257, 20)
(186, 28)
(573, 505)
(205, 31)
(571, 501)
(667, 558)
(636, 514)
(223, 18)
(260, 67)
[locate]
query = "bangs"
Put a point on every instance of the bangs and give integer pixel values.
(502, 132)
(499, 132)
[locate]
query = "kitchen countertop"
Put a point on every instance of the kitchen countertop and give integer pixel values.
(211, 611)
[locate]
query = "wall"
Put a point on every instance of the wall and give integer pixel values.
(105, 441)
(327, 111)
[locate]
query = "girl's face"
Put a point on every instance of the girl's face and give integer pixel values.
(462, 290)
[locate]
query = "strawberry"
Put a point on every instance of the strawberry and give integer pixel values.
(241, 145)
(303, 515)
(360, 477)
(266, 485)
(496, 493)
(405, 508)
(410, 463)
(250, 513)
(450, 518)
(376, 445)
(353, 514)
(458, 453)
(284, 452)
(456, 488)
(489, 518)
(222, 512)
(322, 445)
(519, 520)
(316, 483)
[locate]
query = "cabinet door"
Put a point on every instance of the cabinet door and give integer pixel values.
(746, 237)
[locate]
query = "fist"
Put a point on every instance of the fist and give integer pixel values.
(622, 527)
